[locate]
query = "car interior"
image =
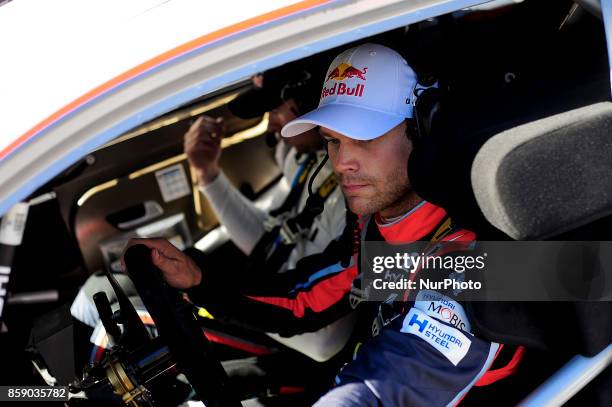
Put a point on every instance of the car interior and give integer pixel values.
(523, 108)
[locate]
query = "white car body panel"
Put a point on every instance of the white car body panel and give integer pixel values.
(62, 99)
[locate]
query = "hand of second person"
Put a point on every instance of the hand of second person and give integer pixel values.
(202, 144)
(178, 269)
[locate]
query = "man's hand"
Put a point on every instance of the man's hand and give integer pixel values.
(202, 144)
(178, 269)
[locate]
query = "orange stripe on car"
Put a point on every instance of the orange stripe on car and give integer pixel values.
(184, 48)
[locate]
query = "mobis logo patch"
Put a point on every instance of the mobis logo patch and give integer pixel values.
(339, 74)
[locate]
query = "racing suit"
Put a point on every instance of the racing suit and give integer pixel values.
(400, 365)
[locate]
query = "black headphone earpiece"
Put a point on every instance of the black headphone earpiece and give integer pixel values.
(426, 104)
(433, 149)
(426, 108)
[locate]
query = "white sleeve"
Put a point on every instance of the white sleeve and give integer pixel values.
(242, 219)
(281, 152)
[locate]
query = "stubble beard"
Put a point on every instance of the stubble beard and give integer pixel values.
(395, 192)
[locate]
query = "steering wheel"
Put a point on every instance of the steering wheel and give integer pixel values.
(178, 328)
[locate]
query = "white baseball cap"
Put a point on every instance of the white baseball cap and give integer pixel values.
(368, 90)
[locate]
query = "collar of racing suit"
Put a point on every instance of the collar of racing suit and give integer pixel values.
(412, 226)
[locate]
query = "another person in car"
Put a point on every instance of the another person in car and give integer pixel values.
(283, 93)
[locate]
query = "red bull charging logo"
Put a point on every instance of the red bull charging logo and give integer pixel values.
(340, 73)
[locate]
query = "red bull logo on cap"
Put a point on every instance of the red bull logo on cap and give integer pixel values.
(345, 70)
(340, 73)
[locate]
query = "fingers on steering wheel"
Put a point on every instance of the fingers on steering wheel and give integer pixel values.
(154, 243)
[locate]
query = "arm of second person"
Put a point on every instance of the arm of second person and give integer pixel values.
(242, 219)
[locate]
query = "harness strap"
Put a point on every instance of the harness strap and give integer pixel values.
(297, 186)
(274, 247)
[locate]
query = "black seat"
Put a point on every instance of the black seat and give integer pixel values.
(550, 179)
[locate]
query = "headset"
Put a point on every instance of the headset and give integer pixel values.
(297, 89)
(426, 106)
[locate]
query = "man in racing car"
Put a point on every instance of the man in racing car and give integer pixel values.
(366, 115)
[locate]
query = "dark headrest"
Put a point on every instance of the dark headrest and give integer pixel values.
(547, 177)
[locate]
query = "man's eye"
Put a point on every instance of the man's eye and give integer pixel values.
(332, 141)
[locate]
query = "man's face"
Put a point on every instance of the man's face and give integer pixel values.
(373, 173)
(283, 114)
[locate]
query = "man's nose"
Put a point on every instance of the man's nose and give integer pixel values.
(345, 159)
